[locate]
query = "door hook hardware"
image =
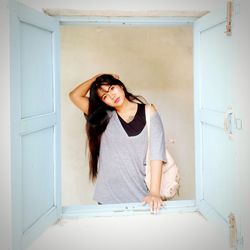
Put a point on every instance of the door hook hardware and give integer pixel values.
(228, 122)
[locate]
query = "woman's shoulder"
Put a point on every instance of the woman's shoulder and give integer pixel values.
(152, 107)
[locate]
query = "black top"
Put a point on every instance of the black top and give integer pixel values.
(135, 127)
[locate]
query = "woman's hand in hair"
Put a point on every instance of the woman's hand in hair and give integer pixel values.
(116, 76)
(78, 94)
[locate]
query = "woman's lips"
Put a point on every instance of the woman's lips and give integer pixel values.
(117, 100)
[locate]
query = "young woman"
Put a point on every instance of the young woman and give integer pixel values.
(117, 140)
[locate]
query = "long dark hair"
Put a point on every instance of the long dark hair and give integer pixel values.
(98, 118)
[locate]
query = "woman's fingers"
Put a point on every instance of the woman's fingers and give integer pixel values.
(155, 206)
(115, 76)
(154, 203)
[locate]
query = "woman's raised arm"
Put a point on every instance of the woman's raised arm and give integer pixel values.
(78, 94)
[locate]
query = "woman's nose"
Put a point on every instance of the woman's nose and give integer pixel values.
(111, 95)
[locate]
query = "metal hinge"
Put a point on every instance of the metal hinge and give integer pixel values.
(229, 17)
(232, 231)
(233, 9)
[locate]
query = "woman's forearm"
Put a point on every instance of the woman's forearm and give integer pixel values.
(83, 88)
(78, 94)
(156, 173)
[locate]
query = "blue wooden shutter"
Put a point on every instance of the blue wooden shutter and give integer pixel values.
(35, 123)
(215, 147)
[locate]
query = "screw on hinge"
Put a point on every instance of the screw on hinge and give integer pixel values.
(232, 231)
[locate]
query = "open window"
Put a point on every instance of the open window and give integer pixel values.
(153, 61)
(36, 120)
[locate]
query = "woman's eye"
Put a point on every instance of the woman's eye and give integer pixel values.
(104, 97)
(112, 87)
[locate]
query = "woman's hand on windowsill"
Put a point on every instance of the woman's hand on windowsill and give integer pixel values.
(154, 201)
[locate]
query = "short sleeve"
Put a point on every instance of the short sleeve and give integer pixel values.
(157, 139)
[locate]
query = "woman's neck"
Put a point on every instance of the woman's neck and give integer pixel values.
(125, 106)
(127, 110)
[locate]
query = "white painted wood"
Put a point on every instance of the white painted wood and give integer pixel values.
(28, 125)
(112, 13)
(215, 148)
(126, 21)
(240, 77)
(129, 5)
(73, 212)
(35, 123)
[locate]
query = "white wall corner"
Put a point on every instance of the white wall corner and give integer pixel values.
(5, 188)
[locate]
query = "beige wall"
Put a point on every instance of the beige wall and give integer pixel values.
(155, 62)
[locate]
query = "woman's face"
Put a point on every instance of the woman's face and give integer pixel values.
(111, 95)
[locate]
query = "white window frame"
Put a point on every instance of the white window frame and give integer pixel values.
(125, 209)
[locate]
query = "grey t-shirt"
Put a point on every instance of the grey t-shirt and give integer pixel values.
(121, 165)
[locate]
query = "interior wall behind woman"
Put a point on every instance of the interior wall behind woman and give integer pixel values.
(156, 62)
